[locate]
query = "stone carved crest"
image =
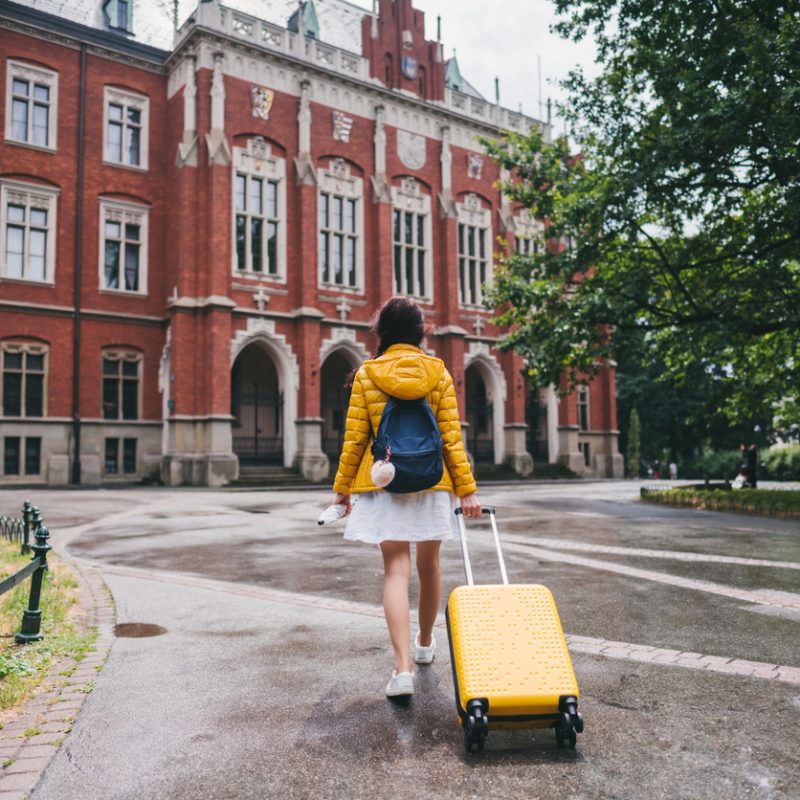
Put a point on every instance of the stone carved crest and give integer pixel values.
(261, 101)
(474, 166)
(409, 186)
(410, 67)
(342, 125)
(472, 202)
(258, 148)
(411, 149)
(339, 168)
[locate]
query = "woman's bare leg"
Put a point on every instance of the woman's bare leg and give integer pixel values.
(430, 588)
(396, 570)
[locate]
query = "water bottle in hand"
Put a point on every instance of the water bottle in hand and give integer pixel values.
(332, 514)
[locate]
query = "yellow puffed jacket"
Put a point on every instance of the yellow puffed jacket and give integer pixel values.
(405, 372)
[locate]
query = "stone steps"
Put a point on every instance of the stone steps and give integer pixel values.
(269, 476)
(541, 471)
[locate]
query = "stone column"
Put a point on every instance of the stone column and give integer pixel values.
(197, 440)
(568, 453)
(310, 459)
(608, 458)
(517, 455)
(516, 428)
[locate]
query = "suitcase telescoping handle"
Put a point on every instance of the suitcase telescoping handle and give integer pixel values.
(462, 529)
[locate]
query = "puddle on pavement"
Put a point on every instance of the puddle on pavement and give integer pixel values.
(137, 630)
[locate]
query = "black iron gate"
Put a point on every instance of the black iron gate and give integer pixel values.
(480, 435)
(334, 405)
(258, 424)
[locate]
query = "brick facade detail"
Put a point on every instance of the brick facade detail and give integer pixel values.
(241, 369)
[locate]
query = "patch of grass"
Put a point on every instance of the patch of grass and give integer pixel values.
(8, 762)
(31, 732)
(88, 688)
(24, 666)
(763, 502)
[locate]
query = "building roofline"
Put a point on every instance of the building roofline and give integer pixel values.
(117, 44)
(81, 33)
(201, 31)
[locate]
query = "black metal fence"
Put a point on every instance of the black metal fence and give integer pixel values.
(19, 530)
(15, 529)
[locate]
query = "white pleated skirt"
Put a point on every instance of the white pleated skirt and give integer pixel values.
(415, 517)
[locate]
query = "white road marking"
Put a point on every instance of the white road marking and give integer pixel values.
(669, 555)
(767, 597)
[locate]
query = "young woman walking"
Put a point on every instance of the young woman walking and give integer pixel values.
(402, 370)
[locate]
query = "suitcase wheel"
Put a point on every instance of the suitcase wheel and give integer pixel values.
(476, 726)
(565, 734)
(570, 724)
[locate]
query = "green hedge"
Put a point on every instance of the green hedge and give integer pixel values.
(780, 464)
(765, 502)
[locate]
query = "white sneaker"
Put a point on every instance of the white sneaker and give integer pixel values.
(424, 655)
(401, 683)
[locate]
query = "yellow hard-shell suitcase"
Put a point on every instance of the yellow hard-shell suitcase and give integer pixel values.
(511, 666)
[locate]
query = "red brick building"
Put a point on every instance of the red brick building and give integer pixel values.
(197, 224)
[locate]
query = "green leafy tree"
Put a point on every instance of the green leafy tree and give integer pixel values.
(679, 223)
(679, 421)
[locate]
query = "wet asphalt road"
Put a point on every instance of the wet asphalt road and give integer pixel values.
(269, 679)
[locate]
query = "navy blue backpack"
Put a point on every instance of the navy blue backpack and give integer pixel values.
(409, 438)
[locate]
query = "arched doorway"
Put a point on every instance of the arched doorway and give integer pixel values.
(480, 416)
(334, 400)
(257, 408)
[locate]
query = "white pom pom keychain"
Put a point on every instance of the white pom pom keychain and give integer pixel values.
(382, 472)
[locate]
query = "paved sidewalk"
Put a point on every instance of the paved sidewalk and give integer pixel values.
(266, 679)
(256, 698)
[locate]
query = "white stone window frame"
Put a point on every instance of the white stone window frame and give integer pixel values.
(127, 99)
(583, 401)
(528, 234)
(408, 197)
(129, 356)
(126, 214)
(31, 196)
(337, 180)
(35, 74)
(25, 348)
(473, 213)
(121, 472)
(257, 161)
(22, 475)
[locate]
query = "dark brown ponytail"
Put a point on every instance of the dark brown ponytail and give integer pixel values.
(398, 321)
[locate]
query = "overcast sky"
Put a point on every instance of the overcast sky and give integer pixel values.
(503, 38)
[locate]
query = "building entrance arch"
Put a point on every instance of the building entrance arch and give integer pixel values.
(257, 408)
(334, 398)
(485, 395)
(480, 416)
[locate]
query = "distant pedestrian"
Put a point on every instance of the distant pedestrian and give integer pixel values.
(392, 520)
(657, 469)
(673, 470)
(752, 466)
